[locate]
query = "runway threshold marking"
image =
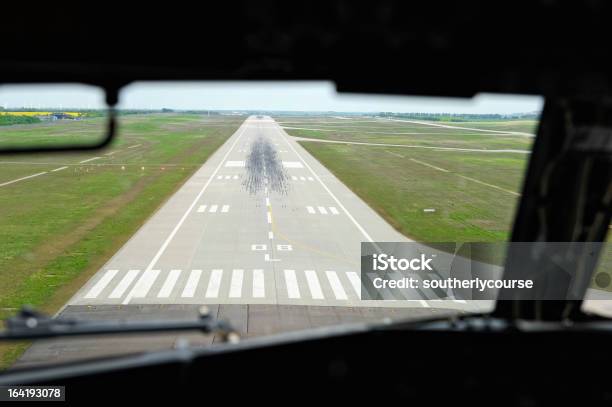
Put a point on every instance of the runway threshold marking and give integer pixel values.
(166, 289)
(192, 284)
(336, 285)
(101, 284)
(299, 284)
(259, 290)
(313, 285)
(293, 291)
(144, 284)
(124, 284)
(166, 242)
(214, 284)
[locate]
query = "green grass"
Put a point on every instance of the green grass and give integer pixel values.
(400, 189)
(9, 120)
(523, 126)
(56, 230)
(474, 194)
(54, 133)
(411, 134)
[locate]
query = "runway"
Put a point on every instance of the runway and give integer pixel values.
(263, 234)
(261, 222)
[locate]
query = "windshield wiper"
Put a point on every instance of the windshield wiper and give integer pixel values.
(31, 324)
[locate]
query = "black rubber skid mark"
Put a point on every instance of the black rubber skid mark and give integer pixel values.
(263, 168)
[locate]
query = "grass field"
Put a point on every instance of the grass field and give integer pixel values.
(58, 228)
(474, 194)
(465, 210)
(410, 134)
(53, 133)
(524, 126)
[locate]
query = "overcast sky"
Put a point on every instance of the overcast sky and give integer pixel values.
(304, 96)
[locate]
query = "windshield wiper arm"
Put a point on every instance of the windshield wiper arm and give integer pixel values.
(31, 324)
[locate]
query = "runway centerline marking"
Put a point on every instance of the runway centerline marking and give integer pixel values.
(163, 247)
